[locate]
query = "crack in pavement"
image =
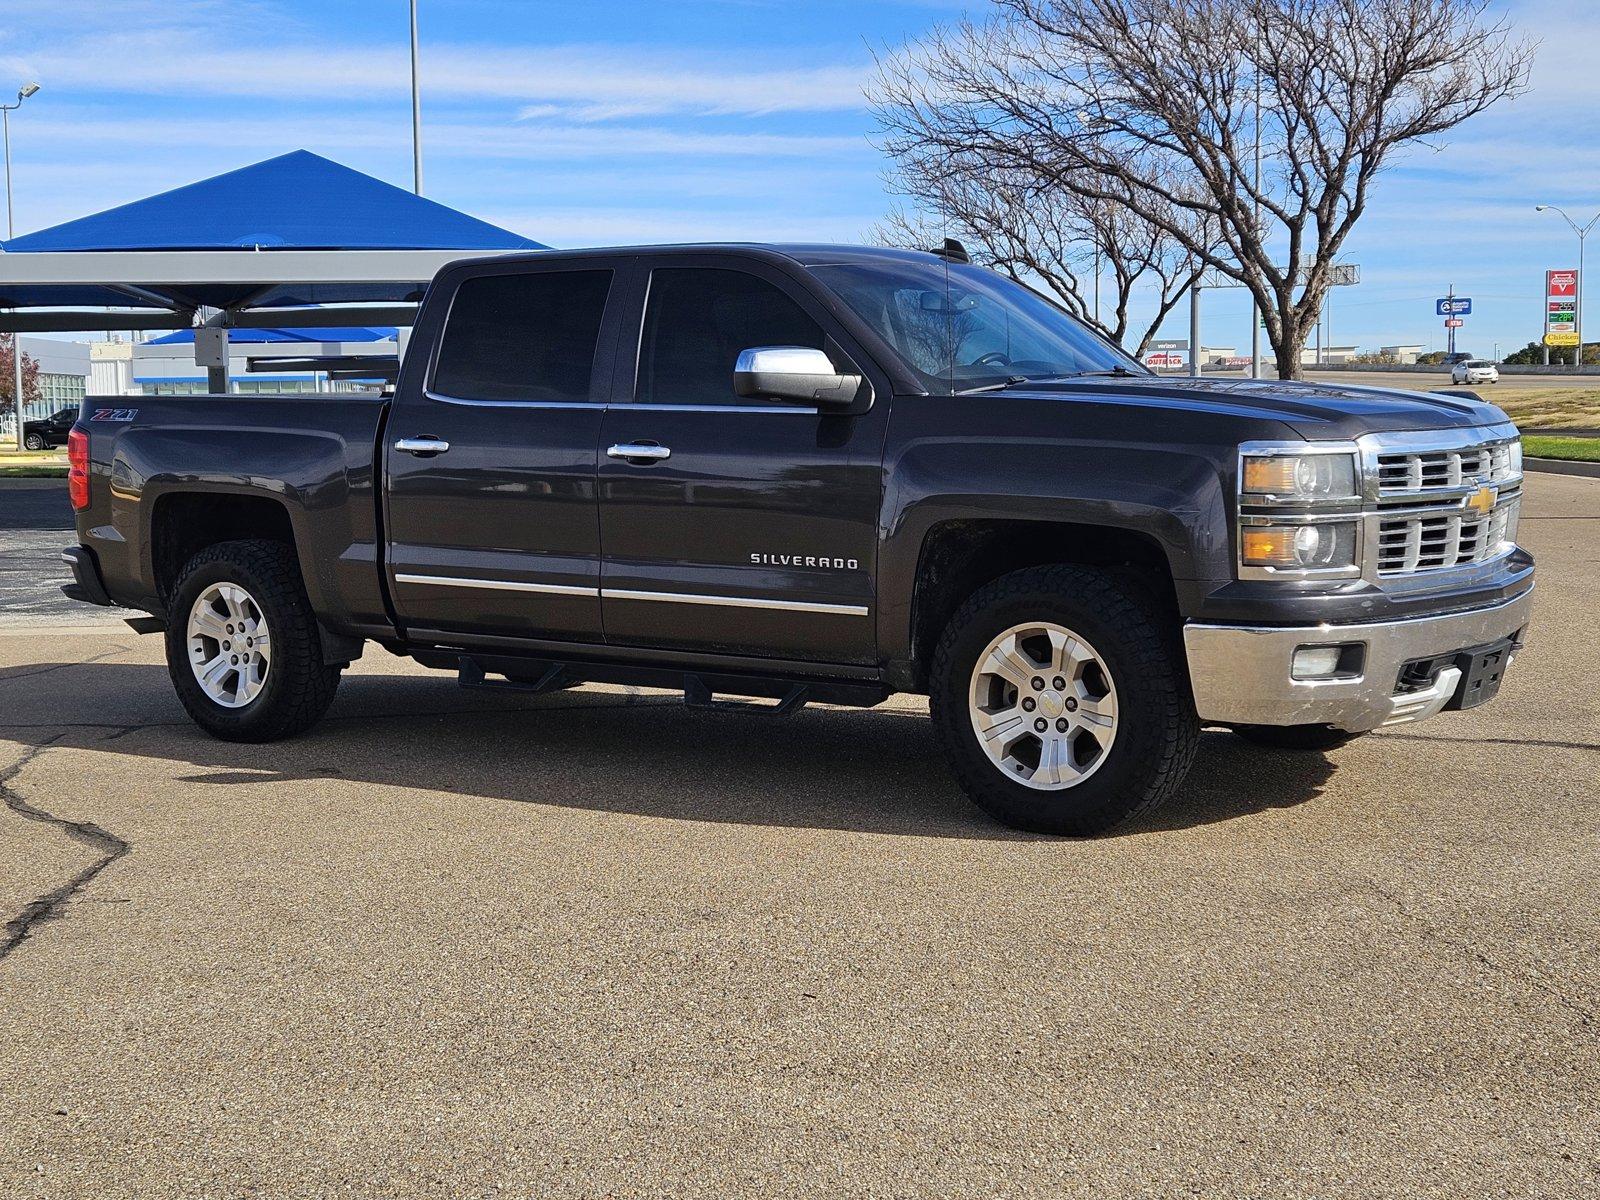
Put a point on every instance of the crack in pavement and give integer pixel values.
(44, 907)
(50, 670)
(1529, 975)
(1490, 741)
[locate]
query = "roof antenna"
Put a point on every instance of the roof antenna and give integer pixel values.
(952, 251)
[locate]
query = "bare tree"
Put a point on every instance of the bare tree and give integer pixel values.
(1151, 106)
(1044, 237)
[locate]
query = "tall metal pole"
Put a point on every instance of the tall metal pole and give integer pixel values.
(5, 115)
(1577, 316)
(416, 109)
(1194, 329)
(1097, 277)
(1255, 315)
(11, 232)
(1450, 308)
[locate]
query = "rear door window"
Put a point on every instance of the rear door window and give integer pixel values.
(528, 337)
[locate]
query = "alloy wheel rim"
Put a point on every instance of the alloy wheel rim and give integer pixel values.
(230, 652)
(1043, 705)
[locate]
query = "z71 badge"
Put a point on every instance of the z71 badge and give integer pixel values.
(114, 414)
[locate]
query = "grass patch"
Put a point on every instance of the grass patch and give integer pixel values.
(31, 471)
(1575, 408)
(1570, 448)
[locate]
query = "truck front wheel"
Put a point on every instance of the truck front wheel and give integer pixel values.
(1062, 702)
(243, 648)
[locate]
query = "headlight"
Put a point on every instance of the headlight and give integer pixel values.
(1323, 546)
(1516, 457)
(1300, 477)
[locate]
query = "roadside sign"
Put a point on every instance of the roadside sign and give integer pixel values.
(1560, 308)
(1453, 306)
(1454, 323)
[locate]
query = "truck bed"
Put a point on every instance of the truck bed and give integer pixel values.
(308, 460)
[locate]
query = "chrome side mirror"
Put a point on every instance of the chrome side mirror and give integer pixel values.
(800, 373)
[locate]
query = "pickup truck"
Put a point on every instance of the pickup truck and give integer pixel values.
(812, 473)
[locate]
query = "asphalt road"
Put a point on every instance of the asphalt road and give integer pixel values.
(1413, 381)
(594, 944)
(35, 523)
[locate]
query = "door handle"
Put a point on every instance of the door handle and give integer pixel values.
(639, 450)
(422, 445)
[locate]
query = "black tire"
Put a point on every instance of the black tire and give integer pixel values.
(33, 442)
(298, 685)
(1157, 732)
(1295, 737)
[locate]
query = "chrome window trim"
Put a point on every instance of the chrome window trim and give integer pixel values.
(650, 406)
(562, 589)
(441, 398)
(641, 406)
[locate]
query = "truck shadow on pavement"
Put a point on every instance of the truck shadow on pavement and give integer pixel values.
(613, 751)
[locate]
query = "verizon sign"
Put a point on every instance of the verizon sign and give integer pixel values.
(1560, 308)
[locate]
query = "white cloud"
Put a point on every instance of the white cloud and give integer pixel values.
(587, 83)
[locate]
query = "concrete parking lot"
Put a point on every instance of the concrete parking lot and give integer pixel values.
(593, 944)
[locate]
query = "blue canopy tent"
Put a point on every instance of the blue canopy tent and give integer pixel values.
(268, 246)
(298, 201)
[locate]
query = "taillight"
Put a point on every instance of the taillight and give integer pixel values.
(78, 468)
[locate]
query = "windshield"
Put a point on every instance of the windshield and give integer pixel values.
(961, 327)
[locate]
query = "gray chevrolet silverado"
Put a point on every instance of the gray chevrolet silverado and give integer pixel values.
(814, 473)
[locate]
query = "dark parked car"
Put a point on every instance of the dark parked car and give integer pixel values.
(823, 473)
(49, 431)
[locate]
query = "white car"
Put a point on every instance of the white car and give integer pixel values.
(1475, 370)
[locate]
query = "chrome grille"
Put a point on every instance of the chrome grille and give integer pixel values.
(1438, 470)
(1436, 541)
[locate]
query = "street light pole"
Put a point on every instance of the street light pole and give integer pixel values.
(1255, 316)
(1583, 232)
(23, 93)
(416, 109)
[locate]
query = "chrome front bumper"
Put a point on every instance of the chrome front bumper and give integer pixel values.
(1241, 673)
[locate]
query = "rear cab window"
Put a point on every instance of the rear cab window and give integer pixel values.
(529, 336)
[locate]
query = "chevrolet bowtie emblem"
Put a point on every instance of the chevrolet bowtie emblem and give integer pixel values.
(1482, 500)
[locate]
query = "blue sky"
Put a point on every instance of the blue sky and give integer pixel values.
(597, 123)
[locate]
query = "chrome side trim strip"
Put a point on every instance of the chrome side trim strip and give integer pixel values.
(561, 589)
(498, 585)
(848, 610)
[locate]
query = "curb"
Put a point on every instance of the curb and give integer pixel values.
(1561, 466)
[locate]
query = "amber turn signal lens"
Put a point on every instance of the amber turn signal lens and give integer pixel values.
(1299, 547)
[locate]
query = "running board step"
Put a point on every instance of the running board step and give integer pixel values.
(700, 688)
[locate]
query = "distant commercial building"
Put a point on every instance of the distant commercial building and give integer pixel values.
(165, 366)
(63, 379)
(1330, 355)
(1404, 355)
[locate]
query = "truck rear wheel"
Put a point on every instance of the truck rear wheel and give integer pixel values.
(243, 648)
(1062, 701)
